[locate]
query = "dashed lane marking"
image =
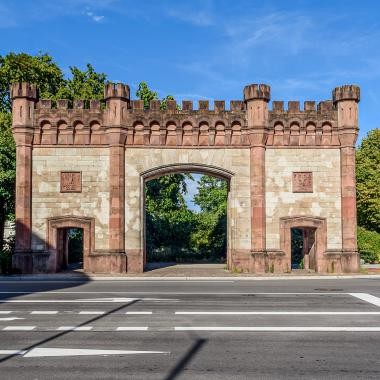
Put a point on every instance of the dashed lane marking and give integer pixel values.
(74, 328)
(91, 312)
(44, 312)
(91, 300)
(132, 328)
(12, 352)
(5, 311)
(19, 328)
(139, 312)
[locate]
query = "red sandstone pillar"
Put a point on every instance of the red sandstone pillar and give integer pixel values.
(23, 97)
(117, 196)
(257, 98)
(117, 103)
(346, 100)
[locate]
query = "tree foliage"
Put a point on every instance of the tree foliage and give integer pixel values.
(210, 238)
(168, 220)
(368, 181)
(172, 226)
(145, 94)
(7, 172)
(42, 71)
(39, 69)
(86, 85)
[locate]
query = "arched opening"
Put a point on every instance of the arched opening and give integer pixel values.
(185, 215)
(69, 248)
(303, 248)
(303, 239)
(70, 241)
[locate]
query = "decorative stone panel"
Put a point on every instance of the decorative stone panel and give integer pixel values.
(302, 182)
(71, 182)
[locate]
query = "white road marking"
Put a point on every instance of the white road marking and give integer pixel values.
(9, 319)
(5, 312)
(139, 312)
(43, 312)
(190, 293)
(132, 328)
(19, 328)
(367, 297)
(277, 312)
(74, 328)
(92, 300)
(92, 312)
(12, 352)
(46, 352)
(279, 329)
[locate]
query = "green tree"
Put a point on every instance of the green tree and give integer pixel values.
(39, 69)
(145, 94)
(7, 172)
(210, 238)
(168, 220)
(42, 71)
(86, 85)
(368, 181)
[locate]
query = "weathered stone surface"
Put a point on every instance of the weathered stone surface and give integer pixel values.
(85, 168)
(48, 201)
(281, 201)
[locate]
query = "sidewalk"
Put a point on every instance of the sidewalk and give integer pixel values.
(190, 272)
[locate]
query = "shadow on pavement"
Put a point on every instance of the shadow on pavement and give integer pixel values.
(186, 359)
(60, 334)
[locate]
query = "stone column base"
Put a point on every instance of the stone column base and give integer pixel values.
(22, 263)
(341, 262)
(268, 262)
(107, 262)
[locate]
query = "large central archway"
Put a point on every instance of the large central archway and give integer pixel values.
(164, 170)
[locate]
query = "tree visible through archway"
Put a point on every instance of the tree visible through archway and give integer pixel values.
(177, 233)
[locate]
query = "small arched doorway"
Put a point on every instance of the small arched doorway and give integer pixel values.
(70, 242)
(303, 239)
(69, 248)
(303, 248)
(174, 254)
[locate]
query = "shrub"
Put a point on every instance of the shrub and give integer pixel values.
(6, 256)
(369, 245)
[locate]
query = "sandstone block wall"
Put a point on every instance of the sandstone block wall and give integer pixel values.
(48, 201)
(118, 143)
(324, 201)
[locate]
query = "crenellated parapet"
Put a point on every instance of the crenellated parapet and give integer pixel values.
(314, 125)
(241, 123)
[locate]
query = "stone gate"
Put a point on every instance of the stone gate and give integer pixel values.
(85, 166)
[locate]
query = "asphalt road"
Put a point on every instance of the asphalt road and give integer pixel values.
(315, 329)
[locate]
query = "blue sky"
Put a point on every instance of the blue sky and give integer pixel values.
(210, 49)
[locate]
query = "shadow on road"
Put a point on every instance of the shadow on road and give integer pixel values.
(186, 359)
(60, 334)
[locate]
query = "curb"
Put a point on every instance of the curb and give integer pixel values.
(55, 278)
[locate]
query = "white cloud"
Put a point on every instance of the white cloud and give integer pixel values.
(94, 17)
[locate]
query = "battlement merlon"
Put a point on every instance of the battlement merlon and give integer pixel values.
(24, 96)
(257, 91)
(23, 90)
(256, 97)
(117, 90)
(346, 92)
(346, 99)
